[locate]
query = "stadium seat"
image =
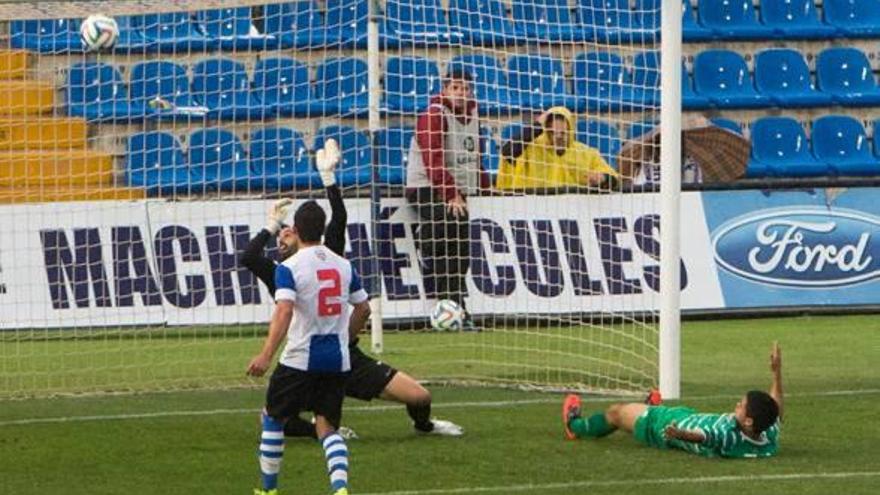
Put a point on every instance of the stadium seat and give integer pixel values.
(217, 157)
(783, 75)
(640, 128)
(794, 19)
(346, 23)
(601, 136)
(490, 85)
(722, 75)
(854, 18)
(732, 20)
(409, 83)
(545, 20)
(295, 24)
(46, 35)
(780, 147)
(418, 22)
(601, 83)
(690, 100)
(875, 126)
(96, 92)
(222, 85)
(728, 124)
(491, 154)
(284, 84)
(280, 161)
(841, 142)
(155, 83)
(608, 21)
(392, 146)
(646, 76)
(131, 37)
(234, 29)
(354, 167)
(173, 32)
(510, 131)
(155, 162)
(341, 87)
(482, 22)
(537, 81)
(647, 19)
(846, 74)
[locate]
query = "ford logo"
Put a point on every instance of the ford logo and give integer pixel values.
(800, 247)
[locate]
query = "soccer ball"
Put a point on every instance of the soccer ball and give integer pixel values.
(98, 32)
(447, 316)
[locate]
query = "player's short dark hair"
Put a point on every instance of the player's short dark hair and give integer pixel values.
(762, 408)
(309, 221)
(457, 72)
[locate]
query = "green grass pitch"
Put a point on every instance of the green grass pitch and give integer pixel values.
(194, 442)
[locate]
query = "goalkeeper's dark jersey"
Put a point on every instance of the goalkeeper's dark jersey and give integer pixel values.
(254, 259)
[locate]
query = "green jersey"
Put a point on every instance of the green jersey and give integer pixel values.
(723, 436)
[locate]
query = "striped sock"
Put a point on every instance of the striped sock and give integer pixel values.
(271, 451)
(337, 460)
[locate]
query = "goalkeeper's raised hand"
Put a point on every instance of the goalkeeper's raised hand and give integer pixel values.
(327, 158)
(277, 214)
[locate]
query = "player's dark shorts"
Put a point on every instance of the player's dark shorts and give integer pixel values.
(368, 376)
(292, 391)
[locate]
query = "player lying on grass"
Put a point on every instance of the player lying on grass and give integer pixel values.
(369, 378)
(752, 430)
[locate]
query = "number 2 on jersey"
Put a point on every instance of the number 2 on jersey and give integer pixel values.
(325, 306)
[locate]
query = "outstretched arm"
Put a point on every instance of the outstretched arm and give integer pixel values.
(776, 369)
(327, 159)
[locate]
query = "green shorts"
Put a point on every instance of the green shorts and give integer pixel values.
(651, 425)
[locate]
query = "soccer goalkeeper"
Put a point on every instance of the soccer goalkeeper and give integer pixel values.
(752, 430)
(369, 378)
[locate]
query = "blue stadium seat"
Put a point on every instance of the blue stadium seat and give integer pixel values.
(357, 155)
(783, 75)
(875, 125)
(728, 124)
(646, 76)
(511, 130)
(794, 19)
(854, 18)
(545, 20)
(841, 142)
(346, 23)
(155, 161)
(601, 136)
(173, 32)
(780, 147)
(392, 146)
(418, 22)
(722, 75)
(601, 83)
(640, 128)
(46, 35)
(608, 21)
(165, 81)
(341, 87)
(217, 156)
(96, 92)
(732, 20)
(491, 154)
(538, 82)
(846, 74)
(284, 84)
(280, 161)
(234, 29)
(482, 22)
(222, 85)
(489, 82)
(409, 83)
(690, 100)
(647, 19)
(295, 24)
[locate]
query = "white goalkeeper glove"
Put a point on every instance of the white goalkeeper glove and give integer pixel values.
(327, 158)
(277, 214)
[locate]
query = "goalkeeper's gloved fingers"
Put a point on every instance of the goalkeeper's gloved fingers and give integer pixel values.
(326, 159)
(277, 214)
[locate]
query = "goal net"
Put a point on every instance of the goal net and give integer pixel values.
(132, 177)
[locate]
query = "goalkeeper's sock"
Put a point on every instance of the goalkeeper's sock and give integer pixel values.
(336, 453)
(593, 427)
(271, 451)
(298, 427)
(421, 416)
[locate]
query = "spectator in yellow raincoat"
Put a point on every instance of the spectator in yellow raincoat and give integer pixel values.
(546, 155)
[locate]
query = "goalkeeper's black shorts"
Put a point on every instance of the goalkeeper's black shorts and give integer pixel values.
(368, 377)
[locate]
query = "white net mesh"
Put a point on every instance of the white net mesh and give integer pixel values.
(131, 176)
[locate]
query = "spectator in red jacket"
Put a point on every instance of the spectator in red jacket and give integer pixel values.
(444, 170)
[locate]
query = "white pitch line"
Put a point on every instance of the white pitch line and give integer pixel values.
(637, 482)
(439, 405)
